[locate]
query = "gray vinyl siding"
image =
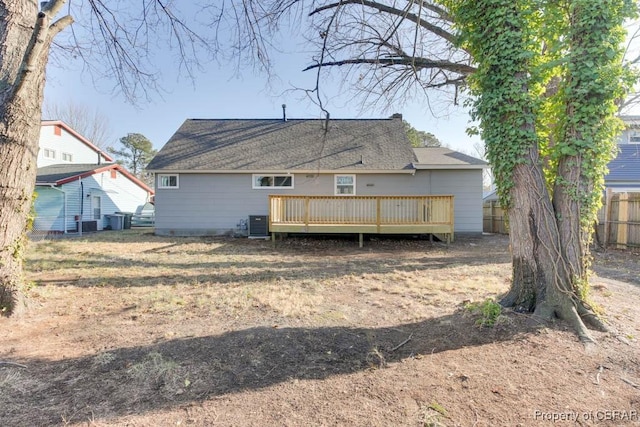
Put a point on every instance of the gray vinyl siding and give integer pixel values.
(466, 187)
(211, 204)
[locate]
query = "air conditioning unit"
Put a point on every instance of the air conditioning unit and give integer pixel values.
(258, 226)
(89, 226)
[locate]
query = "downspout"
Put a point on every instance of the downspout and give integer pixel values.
(81, 207)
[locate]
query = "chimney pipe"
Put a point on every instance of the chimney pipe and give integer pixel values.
(284, 112)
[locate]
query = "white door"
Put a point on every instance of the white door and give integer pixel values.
(96, 207)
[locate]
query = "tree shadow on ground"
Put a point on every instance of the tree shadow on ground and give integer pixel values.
(235, 262)
(215, 274)
(141, 379)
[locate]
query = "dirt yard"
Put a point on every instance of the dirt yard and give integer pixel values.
(129, 329)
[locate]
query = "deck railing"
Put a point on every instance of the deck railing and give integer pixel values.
(361, 214)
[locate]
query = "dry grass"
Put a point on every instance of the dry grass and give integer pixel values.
(238, 279)
(127, 328)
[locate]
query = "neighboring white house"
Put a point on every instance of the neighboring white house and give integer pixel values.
(77, 184)
(213, 175)
(59, 144)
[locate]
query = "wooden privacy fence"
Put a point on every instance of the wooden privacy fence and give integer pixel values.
(619, 220)
(362, 214)
(494, 218)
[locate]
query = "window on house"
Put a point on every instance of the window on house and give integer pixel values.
(345, 184)
(167, 181)
(634, 136)
(67, 157)
(49, 153)
(272, 181)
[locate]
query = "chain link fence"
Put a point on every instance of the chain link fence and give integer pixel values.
(52, 227)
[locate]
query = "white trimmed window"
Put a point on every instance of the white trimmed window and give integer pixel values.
(49, 153)
(272, 181)
(634, 136)
(168, 181)
(345, 185)
(67, 157)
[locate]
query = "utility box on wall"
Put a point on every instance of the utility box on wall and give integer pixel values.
(258, 225)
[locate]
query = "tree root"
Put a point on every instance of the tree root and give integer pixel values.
(591, 319)
(570, 314)
(566, 310)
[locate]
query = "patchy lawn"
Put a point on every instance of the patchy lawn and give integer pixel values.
(126, 328)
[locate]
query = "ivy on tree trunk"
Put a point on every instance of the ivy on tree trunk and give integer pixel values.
(549, 76)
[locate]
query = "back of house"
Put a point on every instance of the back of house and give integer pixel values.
(213, 176)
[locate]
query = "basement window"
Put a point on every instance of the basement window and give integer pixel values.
(272, 181)
(168, 181)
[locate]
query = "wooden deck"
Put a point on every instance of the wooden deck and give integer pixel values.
(362, 215)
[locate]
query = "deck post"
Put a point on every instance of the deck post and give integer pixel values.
(361, 240)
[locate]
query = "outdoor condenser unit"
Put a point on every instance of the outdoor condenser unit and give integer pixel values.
(258, 225)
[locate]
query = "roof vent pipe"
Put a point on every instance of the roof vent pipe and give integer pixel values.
(284, 112)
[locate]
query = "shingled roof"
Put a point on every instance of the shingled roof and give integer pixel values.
(234, 145)
(57, 174)
(445, 158)
(63, 173)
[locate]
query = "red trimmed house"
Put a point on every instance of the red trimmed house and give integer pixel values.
(73, 190)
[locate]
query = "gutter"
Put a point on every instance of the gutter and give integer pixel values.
(410, 171)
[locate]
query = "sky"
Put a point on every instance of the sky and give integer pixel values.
(219, 91)
(218, 94)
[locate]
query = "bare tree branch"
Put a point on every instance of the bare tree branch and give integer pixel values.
(391, 51)
(418, 63)
(415, 18)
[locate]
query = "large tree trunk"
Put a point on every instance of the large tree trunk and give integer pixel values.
(566, 203)
(25, 37)
(549, 237)
(542, 273)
